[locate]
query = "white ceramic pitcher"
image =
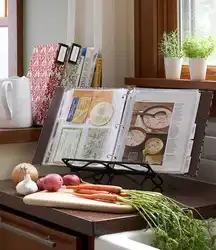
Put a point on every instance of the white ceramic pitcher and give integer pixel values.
(15, 99)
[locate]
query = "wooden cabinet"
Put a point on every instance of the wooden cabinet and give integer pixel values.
(17, 233)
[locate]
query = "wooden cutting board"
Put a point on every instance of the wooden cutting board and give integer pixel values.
(64, 198)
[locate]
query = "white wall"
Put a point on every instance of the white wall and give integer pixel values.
(14, 154)
(45, 21)
(108, 25)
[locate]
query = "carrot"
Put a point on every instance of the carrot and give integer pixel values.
(123, 194)
(102, 197)
(71, 187)
(108, 188)
(88, 191)
(76, 187)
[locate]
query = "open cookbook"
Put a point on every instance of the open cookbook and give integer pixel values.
(161, 127)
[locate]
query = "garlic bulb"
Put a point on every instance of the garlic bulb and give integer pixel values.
(27, 186)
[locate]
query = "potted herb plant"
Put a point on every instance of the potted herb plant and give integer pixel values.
(198, 49)
(170, 48)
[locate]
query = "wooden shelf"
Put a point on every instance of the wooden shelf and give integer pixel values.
(172, 84)
(19, 135)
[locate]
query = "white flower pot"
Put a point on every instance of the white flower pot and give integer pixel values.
(173, 68)
(198, 68)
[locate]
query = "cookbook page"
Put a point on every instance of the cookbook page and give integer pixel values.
(86, 127)
(188, 149)
(159, 128)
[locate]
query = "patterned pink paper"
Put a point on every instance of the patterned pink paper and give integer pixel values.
(45, 76)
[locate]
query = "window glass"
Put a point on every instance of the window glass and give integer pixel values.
(3, 52)
(3, 6)
(198, 17)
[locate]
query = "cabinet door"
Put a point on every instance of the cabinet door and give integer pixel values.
(17, 233)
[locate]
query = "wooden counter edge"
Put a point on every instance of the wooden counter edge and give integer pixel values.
(25, 135)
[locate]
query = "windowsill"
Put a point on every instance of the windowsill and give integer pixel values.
(172, 84)
(26, 135)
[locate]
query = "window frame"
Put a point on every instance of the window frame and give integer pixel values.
(14, 22)
(152, 18)
(160, 15)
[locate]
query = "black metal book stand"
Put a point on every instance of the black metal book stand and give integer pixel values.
(106, 171)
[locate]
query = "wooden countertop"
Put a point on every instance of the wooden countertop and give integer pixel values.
(88, 223)
(201, 196)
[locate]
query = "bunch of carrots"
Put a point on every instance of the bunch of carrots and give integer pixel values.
(105, 193)
(172, 223)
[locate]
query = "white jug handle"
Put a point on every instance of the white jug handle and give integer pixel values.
(4, 98)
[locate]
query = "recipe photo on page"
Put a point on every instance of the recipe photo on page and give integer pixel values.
(147, 136)
(86, 125)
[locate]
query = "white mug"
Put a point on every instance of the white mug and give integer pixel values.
(16, 101)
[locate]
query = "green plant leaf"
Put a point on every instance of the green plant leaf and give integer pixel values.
(175, 226)
(169, 46)
(198, 47)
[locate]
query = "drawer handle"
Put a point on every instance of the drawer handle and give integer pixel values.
(28, 235)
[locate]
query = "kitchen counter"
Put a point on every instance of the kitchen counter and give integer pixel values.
(199, 195)
(87, 223)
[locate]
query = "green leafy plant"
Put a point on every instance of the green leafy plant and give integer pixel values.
(169, 46)
(175, 226)
(198, 47)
